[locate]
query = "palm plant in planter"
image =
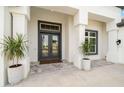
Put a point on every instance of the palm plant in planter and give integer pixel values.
(15, 49)
(85, 49)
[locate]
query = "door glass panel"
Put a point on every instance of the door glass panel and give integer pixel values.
(54, 45)
(44, 45)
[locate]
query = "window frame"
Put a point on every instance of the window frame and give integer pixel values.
(89, 30)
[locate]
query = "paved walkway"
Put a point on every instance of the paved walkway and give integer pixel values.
(65, 74)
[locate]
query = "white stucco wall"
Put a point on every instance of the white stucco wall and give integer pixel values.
(4, 30)
(68, 33)
(25, 10)
(69, 39)
(110, 15)
(1, 56)
(107, 13)
(102, 38)
(45, 15)
(120, 48)
(20, 18)
(113, 55)
(116, 53)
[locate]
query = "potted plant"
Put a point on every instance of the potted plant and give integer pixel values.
(85, 48)
(15, 49)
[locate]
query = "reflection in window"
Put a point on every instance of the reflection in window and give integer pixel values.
(44, 45)
(55, 45)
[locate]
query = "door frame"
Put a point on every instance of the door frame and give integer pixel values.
(60, 42)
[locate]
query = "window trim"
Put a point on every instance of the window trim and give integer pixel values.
(89, 30)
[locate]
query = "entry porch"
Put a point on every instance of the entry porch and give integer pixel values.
(67, 75)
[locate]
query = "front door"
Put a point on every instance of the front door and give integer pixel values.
(49, 45)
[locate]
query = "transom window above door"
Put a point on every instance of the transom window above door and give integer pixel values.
(49, 27)
(92, 37)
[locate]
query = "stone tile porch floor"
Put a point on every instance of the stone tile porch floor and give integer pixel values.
(66, 75)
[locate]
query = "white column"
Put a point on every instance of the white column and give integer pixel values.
(115, 52)
(4, 30)
(2, 67)
(20, 27)
(112, 54)
(69, 39)
(121, 46)
(80, 21)
(79, 38)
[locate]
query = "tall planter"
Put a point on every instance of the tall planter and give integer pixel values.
(86, 62)
(15, 74)
(15, 49)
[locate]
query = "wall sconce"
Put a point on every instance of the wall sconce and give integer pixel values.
(118, 42)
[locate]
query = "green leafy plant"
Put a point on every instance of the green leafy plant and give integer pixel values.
(85, 48)
(14, 47)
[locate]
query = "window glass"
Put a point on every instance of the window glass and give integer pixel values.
(43, 26)
(49, 27)
(55, 45)
(91, 36)
(86, 39)
(44, 45)
(86, 33)
(93, 41)
(92, 49)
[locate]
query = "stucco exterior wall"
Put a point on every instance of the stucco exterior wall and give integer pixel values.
(108, 12)
(68, 33)
(117, 56)
(102, 38)
(112, 55)
(20, 18)
(5, 28)
(120, 48)
(70, 36)
(25, 10)
(116, 52)
(1, 56)
(45, 15)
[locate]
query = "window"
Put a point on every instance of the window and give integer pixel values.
(92, 37)
(49, 27)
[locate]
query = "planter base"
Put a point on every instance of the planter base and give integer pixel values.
(15, 74)
(86, 64)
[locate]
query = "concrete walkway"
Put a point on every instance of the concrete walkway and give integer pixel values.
(65, 74)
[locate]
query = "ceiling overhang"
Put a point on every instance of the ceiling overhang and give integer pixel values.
(62, 9)
(122, 7)
(121, 24)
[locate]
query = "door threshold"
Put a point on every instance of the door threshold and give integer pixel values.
(50, 61)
